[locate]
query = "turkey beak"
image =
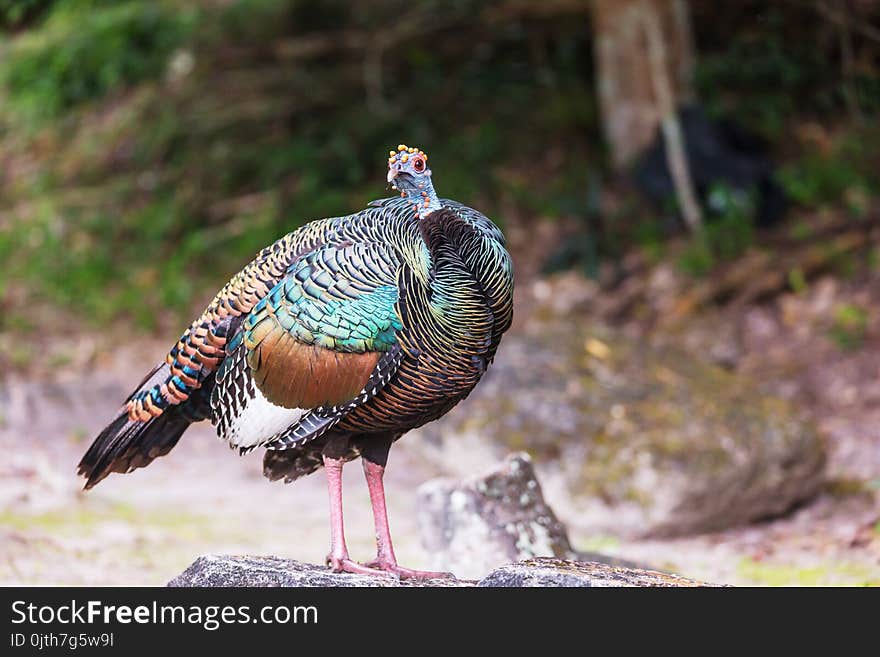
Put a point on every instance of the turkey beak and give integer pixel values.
(392, 174)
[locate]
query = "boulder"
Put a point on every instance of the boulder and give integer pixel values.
(556, 572)
(238, 571)
(469, 527)
(631, 439)
(232, 570)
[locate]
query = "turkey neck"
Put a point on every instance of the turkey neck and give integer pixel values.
(422, 195)
(457, 299)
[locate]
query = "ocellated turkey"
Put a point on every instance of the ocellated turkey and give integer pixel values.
(331, 344)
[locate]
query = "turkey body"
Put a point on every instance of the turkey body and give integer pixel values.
(337, 339)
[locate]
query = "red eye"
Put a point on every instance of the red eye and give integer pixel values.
(418, 165)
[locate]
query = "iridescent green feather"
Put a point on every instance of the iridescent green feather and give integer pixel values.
(341, 314)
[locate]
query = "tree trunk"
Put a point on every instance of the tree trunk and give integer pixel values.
(631, 111)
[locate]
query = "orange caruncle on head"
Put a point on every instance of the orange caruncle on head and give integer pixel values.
(408, 172)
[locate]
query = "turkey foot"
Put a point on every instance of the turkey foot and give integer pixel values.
(406, 573)
(347, 565)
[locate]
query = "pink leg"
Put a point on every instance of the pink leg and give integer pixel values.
(338, 559)
(385, 559)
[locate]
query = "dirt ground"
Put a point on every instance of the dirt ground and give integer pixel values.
(147, 527)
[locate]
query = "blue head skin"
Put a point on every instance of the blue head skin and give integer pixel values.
(408, 172)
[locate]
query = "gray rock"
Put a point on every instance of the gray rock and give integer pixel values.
(556, 572)
(469, 527)
(232, 571)
(633, 439)
(236, 571)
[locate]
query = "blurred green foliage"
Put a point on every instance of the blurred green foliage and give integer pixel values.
(150, 148)
(15, 13)
(728, 233)
(840, 173)
(219, 137)
(84, 49)
(797, 281)
(770, 68)
(850, 326)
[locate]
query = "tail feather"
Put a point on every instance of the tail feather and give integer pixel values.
(126, 445)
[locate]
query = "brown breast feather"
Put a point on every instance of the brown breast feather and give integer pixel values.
(296, 375)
